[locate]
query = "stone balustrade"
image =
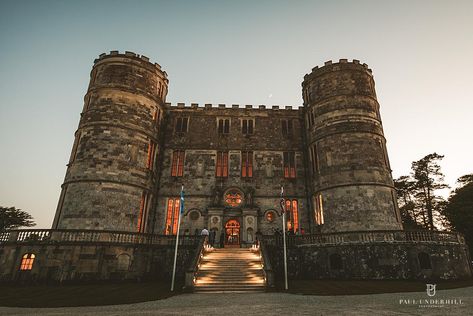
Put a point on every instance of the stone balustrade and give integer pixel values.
(360, 237)
(51, 236)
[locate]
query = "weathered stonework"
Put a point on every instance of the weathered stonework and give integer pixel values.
(133, 152)
(108, 173)
(349, 163)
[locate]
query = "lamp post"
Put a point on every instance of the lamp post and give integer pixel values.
(282, 204)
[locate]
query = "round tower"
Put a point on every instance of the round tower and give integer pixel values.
(112, 168)
(352, 186)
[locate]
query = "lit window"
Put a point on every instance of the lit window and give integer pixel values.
(292, 213)
(177, 167)
(233, 198)
(223, 126)
(156, 115)
(247, 126)
(286, 126)
(270, 216)
(181, 125)
(246, 164)
(172, 216)
(319, 210)
(221, 169)
(289, 164)
(27, 262)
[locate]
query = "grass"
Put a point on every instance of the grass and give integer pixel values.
(360, 287)
(82, 295)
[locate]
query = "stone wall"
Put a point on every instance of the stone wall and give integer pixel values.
(112, 173)
(93, 261)
(351, 176)
(373, 260)
(201, 142)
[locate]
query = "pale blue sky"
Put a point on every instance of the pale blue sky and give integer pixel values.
(230, 52)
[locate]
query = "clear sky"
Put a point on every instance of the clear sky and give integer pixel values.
(241, 52)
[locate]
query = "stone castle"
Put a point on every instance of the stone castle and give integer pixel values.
(132, 152)
(119, 205)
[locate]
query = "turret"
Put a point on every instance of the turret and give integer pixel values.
(112, 171)
(351, 183)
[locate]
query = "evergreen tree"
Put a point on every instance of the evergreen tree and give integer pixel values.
(459, 209)
(11, 218)
(428, 178)
(405, 198)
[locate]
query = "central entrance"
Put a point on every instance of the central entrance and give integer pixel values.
(232, 233)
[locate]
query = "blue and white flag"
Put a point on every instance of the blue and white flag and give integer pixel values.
(182, 200)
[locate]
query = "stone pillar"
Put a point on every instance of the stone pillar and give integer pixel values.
(112, 171)
(349, 168)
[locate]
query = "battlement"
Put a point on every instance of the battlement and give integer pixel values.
(128, 54)
(221, 106)
(342, 64)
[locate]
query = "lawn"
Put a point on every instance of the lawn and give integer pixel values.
(82, 295)
(359, 287)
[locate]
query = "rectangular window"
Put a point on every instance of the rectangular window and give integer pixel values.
(292, 213)
(74, 148)
(223, 126)
(172, 216)
(289, 164)
(314, 159)
(319, 210)
(246, 164)
(181, 124)
(221, 169)
(286, 126)
(247, 126)
(177, 167)
(156, 116)
(143, 212)
(151, 152)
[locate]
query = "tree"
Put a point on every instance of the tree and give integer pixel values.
(428, 178)
(11, 218)
(405, 198)
(459, 209)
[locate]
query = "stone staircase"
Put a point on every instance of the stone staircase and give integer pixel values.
(230, 270)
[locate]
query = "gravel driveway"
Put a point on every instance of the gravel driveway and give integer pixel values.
(275, 304)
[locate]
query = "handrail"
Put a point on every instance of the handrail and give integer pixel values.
(361, 237)
(46, 236)
(267, 268)
(195, 262)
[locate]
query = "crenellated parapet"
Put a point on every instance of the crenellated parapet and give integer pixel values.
(342, 64)
(210, 106)
(130, 55)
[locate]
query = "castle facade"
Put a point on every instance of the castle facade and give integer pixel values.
(133, 152)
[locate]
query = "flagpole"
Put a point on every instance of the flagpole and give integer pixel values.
(284, 236)
(177, 238)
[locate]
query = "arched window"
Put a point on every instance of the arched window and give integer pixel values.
(194, 215)
(123, 262)
(27, 261)
(335, 262)
(270, 216)
(424, 261)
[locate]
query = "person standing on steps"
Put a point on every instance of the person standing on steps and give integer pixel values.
(222, 239)
(205, 233)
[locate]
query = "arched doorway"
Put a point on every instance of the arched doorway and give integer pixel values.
(232, 233)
